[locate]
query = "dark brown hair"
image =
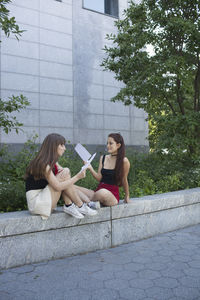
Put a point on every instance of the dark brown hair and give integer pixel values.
(119, 167)
(47, 155)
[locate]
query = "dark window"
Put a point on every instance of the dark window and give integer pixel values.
(108, 7)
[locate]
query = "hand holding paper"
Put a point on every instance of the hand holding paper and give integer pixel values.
(85, 166)
(85, 155)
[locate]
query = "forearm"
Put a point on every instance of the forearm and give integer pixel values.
(125, 180)
(95, 174)
(62, 185)
(126, 188)
(69, 182)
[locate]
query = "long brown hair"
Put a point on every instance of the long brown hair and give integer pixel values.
(119, 167)
(47, 155)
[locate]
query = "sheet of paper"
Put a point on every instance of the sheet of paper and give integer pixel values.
(82, 152)
(85, 155)
(85, 166)
(92, 157)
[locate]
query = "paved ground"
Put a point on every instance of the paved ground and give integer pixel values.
(163, 267)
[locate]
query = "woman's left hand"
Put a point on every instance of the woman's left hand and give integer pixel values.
(89, 167)
(127, 200)
(63, 173)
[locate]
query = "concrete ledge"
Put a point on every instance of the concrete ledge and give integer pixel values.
(28, 239)
(16, 223)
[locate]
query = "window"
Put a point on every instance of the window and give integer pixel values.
(108, 7)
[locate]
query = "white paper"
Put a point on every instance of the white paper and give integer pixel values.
(85, 166)
(82, 152)
(84, 155)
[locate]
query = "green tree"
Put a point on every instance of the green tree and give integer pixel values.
(15, 103)
(156, 54)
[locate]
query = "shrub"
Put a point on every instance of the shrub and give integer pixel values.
(150, 173)
(13, 166)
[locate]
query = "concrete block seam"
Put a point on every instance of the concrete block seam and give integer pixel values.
(52, 229)
(154, 211)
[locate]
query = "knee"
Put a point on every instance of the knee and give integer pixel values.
(64, 174)
(106, 197)
(101, 194)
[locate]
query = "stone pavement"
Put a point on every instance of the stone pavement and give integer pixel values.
(162, 267)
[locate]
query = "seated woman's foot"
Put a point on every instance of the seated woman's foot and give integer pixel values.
(86, 210)
(94, 205)
(73, 211)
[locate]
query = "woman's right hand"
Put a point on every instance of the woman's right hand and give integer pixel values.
(89, 167)
(81, 174)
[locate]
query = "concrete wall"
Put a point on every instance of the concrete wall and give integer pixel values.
(56, 64)
(27, 239)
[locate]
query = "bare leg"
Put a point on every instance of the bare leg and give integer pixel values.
(66, 199)
(87, 192)
(105, 197)
(70, 194)
(55, 196)
(83, 196)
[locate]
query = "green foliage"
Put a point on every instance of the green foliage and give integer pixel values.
(8, 121)
(149, 174)
(165, 81)
(159, 173)
(12, 196)
(177, 134)
(144, 184)
(15, 103)
(170, 183)
(8, 24)
(12, 171)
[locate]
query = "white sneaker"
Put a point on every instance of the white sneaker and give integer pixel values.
(73, 211)
(85, 210)
(94, 205)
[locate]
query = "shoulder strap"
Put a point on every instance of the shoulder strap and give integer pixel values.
(55, 169)
(103, 160)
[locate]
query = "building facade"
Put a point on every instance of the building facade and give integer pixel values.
(56, 65)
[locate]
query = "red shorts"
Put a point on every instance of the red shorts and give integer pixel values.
(114, 189)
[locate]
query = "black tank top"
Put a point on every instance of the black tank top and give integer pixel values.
(108, 175)
(32, 184)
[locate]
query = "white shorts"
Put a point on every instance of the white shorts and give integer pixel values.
(39, 202)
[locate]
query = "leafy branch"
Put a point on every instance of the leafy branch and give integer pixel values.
(7, 121)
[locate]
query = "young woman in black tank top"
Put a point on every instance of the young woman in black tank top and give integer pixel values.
(112, 172)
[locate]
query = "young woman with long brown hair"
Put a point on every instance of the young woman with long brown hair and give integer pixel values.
(112, 172)
(46, 180)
